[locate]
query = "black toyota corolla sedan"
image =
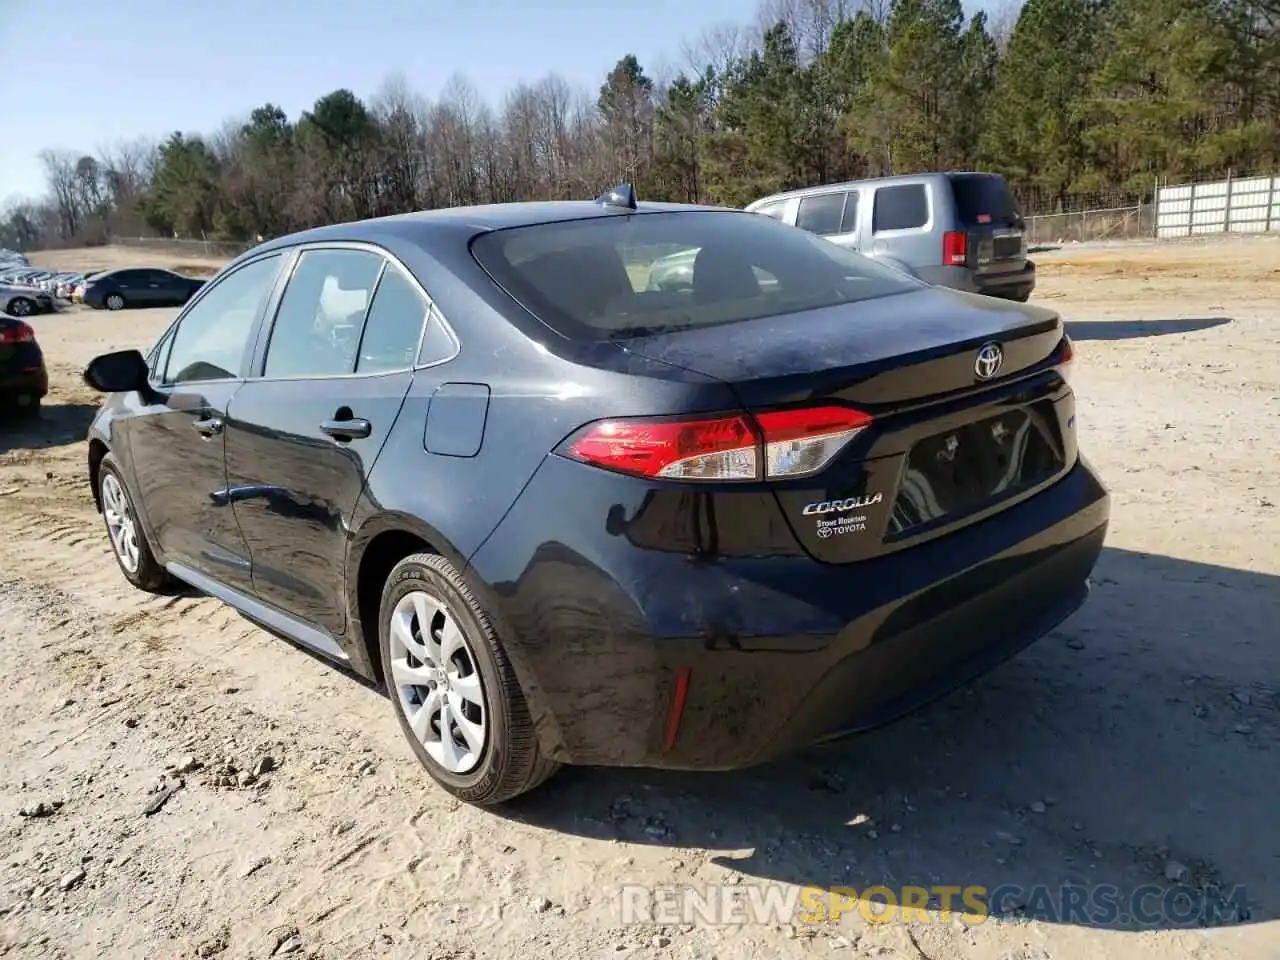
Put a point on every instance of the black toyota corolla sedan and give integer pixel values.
(565, 517)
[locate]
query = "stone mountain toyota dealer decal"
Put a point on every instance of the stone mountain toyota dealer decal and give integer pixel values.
(834, 518)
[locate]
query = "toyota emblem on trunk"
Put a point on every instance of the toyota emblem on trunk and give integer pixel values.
(990, 360)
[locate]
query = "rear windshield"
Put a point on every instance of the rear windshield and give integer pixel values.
(627, 276)
(983, 199)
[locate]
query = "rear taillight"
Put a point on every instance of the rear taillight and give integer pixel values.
(955, 248)
(778, 444)
(17, 333)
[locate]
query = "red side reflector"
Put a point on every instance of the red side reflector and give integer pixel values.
(955, 248)
(677, 709)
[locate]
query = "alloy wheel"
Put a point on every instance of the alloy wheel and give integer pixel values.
(121, 526)
(437, 682)
(20, 308)
(115, 302)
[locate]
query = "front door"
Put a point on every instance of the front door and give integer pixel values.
(303, 437)
(177, 441)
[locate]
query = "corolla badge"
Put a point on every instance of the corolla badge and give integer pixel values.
(838, 506)
(989, 361)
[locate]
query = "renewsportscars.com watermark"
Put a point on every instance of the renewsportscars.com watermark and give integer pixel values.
(1149, 906)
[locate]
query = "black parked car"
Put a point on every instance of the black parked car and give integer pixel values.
(569, 519)
(23, 378)
(150, 287)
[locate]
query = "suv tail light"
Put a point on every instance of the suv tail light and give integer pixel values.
(17, 333)
(955, 248)
(774, 445)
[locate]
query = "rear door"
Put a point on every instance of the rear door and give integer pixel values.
(986, 210)
(332, 371)
(903, 229)
(133, 285)
(165, 288)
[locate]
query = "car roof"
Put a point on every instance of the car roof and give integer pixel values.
(454, 225)
(870, 182)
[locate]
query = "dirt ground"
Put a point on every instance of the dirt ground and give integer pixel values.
(1135, 745)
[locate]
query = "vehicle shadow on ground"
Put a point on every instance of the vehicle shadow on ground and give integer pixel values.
(56, 425)
(1132, 329)
(1128, 751)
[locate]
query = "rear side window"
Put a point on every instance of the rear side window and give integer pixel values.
(437, 343)
(984, 199)
(900, 208)
(394, 325)
(317, 326)
(821, 214)
(617, 277)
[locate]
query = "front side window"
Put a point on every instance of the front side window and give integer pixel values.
(616, 277)
(317, 327)
(821, 214)
(210, 341)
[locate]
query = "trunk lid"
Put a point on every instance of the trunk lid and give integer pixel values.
(946, 447)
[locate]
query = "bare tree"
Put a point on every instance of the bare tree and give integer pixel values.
(60, 175)
(718, 47)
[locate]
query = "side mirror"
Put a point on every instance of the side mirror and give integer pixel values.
(117, 372)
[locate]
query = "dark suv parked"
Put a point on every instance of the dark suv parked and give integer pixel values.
(568, 518)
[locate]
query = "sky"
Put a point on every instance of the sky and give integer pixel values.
(82, 74)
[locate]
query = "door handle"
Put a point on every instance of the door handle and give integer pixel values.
(353, 429)
(211, 426)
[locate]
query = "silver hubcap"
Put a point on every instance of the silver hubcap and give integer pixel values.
(114, 302)
(20, 308)
(120, 523)
(437, 684)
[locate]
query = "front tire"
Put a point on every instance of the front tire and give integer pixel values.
(21, 307)
(114, 301)
(454, 690)
(128, 540)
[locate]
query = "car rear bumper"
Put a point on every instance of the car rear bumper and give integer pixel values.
(1015, 284)
(776, 652)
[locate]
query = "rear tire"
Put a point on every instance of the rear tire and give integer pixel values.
(129, 542)
(427, 607)
(21, 307)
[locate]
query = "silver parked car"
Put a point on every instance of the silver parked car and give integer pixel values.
(22, 301)
(959, 230)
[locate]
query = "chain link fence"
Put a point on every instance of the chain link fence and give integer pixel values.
(1112, 223)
